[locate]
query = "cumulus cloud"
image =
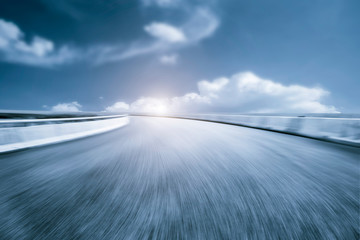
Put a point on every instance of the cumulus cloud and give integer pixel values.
(67, 107)
(250, 93)
(161, 3)
(149, 104)
(242, 92)
(38, 52)
(171, 59)
(8, 32)
(201, 24)
(165, 32)
(118, 107)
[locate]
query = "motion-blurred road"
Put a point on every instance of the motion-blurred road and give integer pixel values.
(163, 178)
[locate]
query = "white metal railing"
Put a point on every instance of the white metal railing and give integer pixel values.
(31, 122)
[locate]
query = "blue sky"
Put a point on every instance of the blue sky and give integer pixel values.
(172, 55)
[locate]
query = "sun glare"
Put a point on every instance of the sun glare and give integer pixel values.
(159, 108)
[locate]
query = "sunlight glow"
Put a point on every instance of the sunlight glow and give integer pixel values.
(160, 109)
(151, 105)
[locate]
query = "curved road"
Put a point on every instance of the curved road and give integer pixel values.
(179, 179)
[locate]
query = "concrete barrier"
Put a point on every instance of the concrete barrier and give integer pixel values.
(21, 134)
(340, 130)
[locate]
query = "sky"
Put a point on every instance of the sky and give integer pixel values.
(241, 56)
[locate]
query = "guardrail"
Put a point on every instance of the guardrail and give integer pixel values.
(339, 130)
(32, 122)
(21, 134)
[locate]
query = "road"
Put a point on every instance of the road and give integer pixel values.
(163, 178)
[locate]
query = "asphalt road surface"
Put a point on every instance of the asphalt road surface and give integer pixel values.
(162, 178)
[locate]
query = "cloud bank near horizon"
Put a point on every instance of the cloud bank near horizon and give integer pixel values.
(242, 92)
(67, 107)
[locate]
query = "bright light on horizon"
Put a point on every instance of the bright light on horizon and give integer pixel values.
(160, 109)
(151, 105)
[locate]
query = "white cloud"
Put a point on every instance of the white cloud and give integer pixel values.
(118, 107)
(190, 102)
(246, 92)
(211, 88)
(169, 59)
(165, 32)
(143, 104)
(39, 52)
(39, 47)
(8, 32)
(161, 3)
(150, 105)
(242, 92)
(201, 24)
(67, 107)
(101, 55)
